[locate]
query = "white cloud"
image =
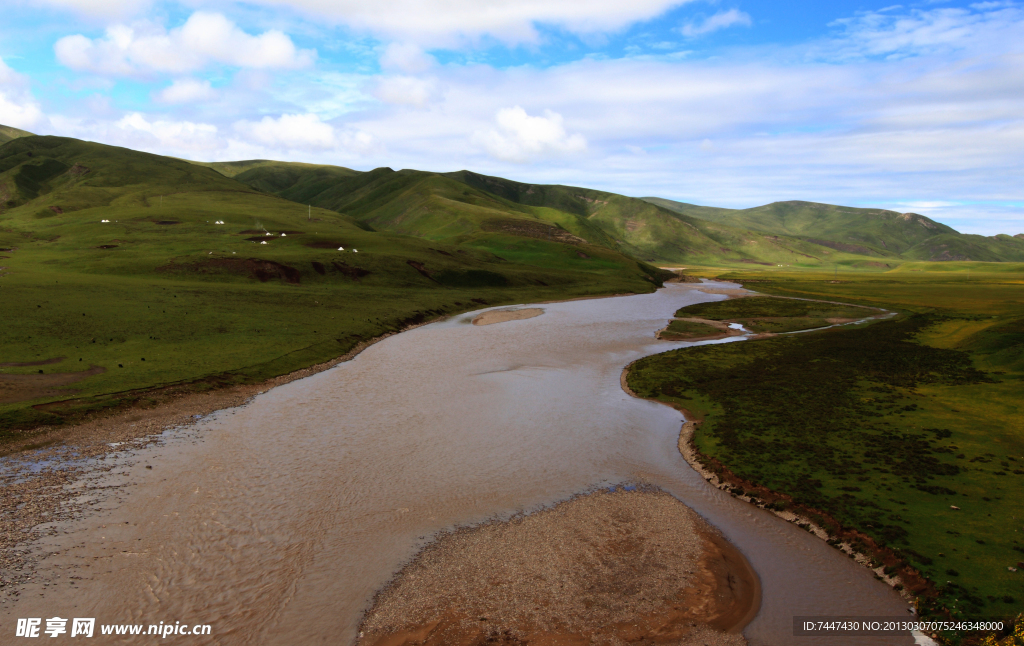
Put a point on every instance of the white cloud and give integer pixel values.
(520, 137)
(18, 108)
(305, 132)
(289, 131)
(442, 21)
(186, 91)
(720, 20)
(204, 39)
(165, 133)
(405, 90)
(407, 58)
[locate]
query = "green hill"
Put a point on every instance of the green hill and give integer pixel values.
(865, 232)
(468, 208)
(8, 133)
(123, 271)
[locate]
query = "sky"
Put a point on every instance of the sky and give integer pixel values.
(735, 103)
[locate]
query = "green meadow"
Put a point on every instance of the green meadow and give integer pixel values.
(909, 430)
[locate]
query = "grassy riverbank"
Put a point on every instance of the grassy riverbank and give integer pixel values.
(886, 428)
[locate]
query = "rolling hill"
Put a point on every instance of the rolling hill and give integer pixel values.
(868, 232)
(471, 209)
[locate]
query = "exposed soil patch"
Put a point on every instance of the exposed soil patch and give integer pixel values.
(532, 229)
(354, 273)
(56, 209)
(106, 246)
(319, 268)
(262, 238)
(421, 268)
(324, 244)
(262, 270)
(609, 568)
(167, 222)
(28, 364)
(500, 316)
(78, 170)
(19, 388)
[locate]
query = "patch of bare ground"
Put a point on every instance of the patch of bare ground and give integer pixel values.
(17, 388)
(500, 316)
(262, 270)
(636, 567)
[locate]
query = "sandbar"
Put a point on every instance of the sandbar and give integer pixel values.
(501, 316)
(610, 567)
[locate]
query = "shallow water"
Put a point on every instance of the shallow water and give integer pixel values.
(277, 521)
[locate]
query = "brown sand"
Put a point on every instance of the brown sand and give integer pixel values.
(634, 567)
(500, 316)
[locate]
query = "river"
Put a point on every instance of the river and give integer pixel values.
(275, 522)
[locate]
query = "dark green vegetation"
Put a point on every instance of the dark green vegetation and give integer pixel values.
(115, 259)
(761, 314)
(682, 330)
(887, 236)
(885, 427)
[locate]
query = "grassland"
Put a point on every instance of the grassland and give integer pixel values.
(761, 314)
(683, 330)
(122, 272)
(907, 432)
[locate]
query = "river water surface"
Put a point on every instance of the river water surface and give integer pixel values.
(276, 522)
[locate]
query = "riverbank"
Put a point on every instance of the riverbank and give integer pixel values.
(609, 567)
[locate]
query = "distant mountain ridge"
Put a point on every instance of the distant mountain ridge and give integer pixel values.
(873, 232)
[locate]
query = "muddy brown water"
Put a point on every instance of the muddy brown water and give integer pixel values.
(277, 521)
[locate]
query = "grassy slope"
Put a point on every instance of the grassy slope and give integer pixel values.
(8, 133)
(871, 232)
(183, 296)
(871, 427)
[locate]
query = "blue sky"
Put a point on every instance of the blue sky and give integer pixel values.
(914, 107)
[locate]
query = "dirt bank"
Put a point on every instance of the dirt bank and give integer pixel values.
(618, 567)
(500, 316)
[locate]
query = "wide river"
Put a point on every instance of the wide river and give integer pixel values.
(277, 521)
